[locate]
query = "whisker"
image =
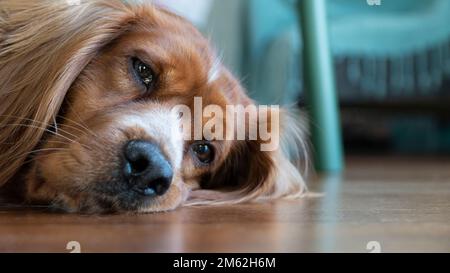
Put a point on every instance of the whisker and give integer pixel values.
(52, 126)
(55, 124)
(41, 157)
(40, 150)
(79, 124)
(64, 143)
(79, 118)
(49, 131)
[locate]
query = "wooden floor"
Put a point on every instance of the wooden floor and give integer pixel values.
(399, 204)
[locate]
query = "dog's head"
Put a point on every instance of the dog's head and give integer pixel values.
(99, 106)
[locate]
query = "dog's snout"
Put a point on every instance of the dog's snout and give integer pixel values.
(146, 168)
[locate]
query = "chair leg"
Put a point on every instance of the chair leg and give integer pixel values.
(320, 87)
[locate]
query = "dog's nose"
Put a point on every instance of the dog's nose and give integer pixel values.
(146, 168)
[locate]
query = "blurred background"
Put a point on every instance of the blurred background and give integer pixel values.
(391, 62)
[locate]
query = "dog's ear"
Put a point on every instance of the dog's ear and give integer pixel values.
(257, 170)
(44, 45)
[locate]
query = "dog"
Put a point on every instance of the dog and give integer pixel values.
(87, 99)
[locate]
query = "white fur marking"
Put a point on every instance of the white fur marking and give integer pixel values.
(162, 125)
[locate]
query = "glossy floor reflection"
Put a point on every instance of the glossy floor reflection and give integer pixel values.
(396, 204)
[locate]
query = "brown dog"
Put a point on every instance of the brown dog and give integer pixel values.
(87, 94)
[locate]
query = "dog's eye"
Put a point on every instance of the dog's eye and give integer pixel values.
(204, 152)
(144, 72)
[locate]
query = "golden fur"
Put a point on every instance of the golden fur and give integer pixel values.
(65, 92)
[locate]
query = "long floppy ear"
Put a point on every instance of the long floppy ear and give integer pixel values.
(44, 45)
(253, 174)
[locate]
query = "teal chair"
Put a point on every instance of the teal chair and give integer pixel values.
(262, 22)
(320, 87)
(375, 63)
(317, 77)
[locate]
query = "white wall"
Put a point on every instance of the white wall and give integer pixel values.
(196, 11)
